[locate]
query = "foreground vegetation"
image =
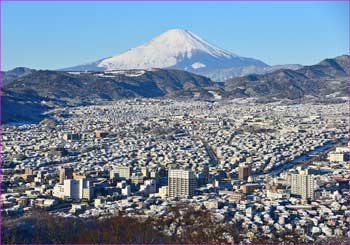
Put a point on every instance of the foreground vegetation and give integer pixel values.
(183, 224)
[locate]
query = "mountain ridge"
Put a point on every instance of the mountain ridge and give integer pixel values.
(326, 78)
(45, 89)
(32, 94)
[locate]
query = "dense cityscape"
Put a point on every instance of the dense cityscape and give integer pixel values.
(269, 167)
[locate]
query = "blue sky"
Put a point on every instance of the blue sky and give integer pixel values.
(61, 34)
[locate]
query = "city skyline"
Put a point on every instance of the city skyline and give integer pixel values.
(259, 168)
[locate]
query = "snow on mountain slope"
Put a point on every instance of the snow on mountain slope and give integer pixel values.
(164, 51)
(176, 49)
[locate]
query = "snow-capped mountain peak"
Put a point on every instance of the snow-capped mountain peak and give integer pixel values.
(175, 49)
(183, 41)
(165, 50)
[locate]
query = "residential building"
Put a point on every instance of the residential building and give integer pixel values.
(182, 183)
(65, 173)
(245, 172)
(303, 185)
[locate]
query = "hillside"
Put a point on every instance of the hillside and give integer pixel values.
(28, 96)
(325, 79)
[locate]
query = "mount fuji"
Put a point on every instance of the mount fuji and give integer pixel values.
(177, 49)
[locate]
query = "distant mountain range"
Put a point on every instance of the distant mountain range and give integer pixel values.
(12, 75)
(175, 49)
(326, 79)
(41, 90)
(182, 50)
(28, 93)
(165, 67)
(222, 75)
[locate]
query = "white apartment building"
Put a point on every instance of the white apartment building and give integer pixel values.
(120, 172)
(75, 189)
(303, 185)
(181, 183)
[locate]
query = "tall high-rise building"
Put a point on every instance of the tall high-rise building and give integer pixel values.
(28, 171)
(71, 188)
(101, 134)
(78, 189)
(65, 173)
(120, 172)
(72, 136)
(245, 172)
(145, 172)
(181, 183)
(303, 185)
